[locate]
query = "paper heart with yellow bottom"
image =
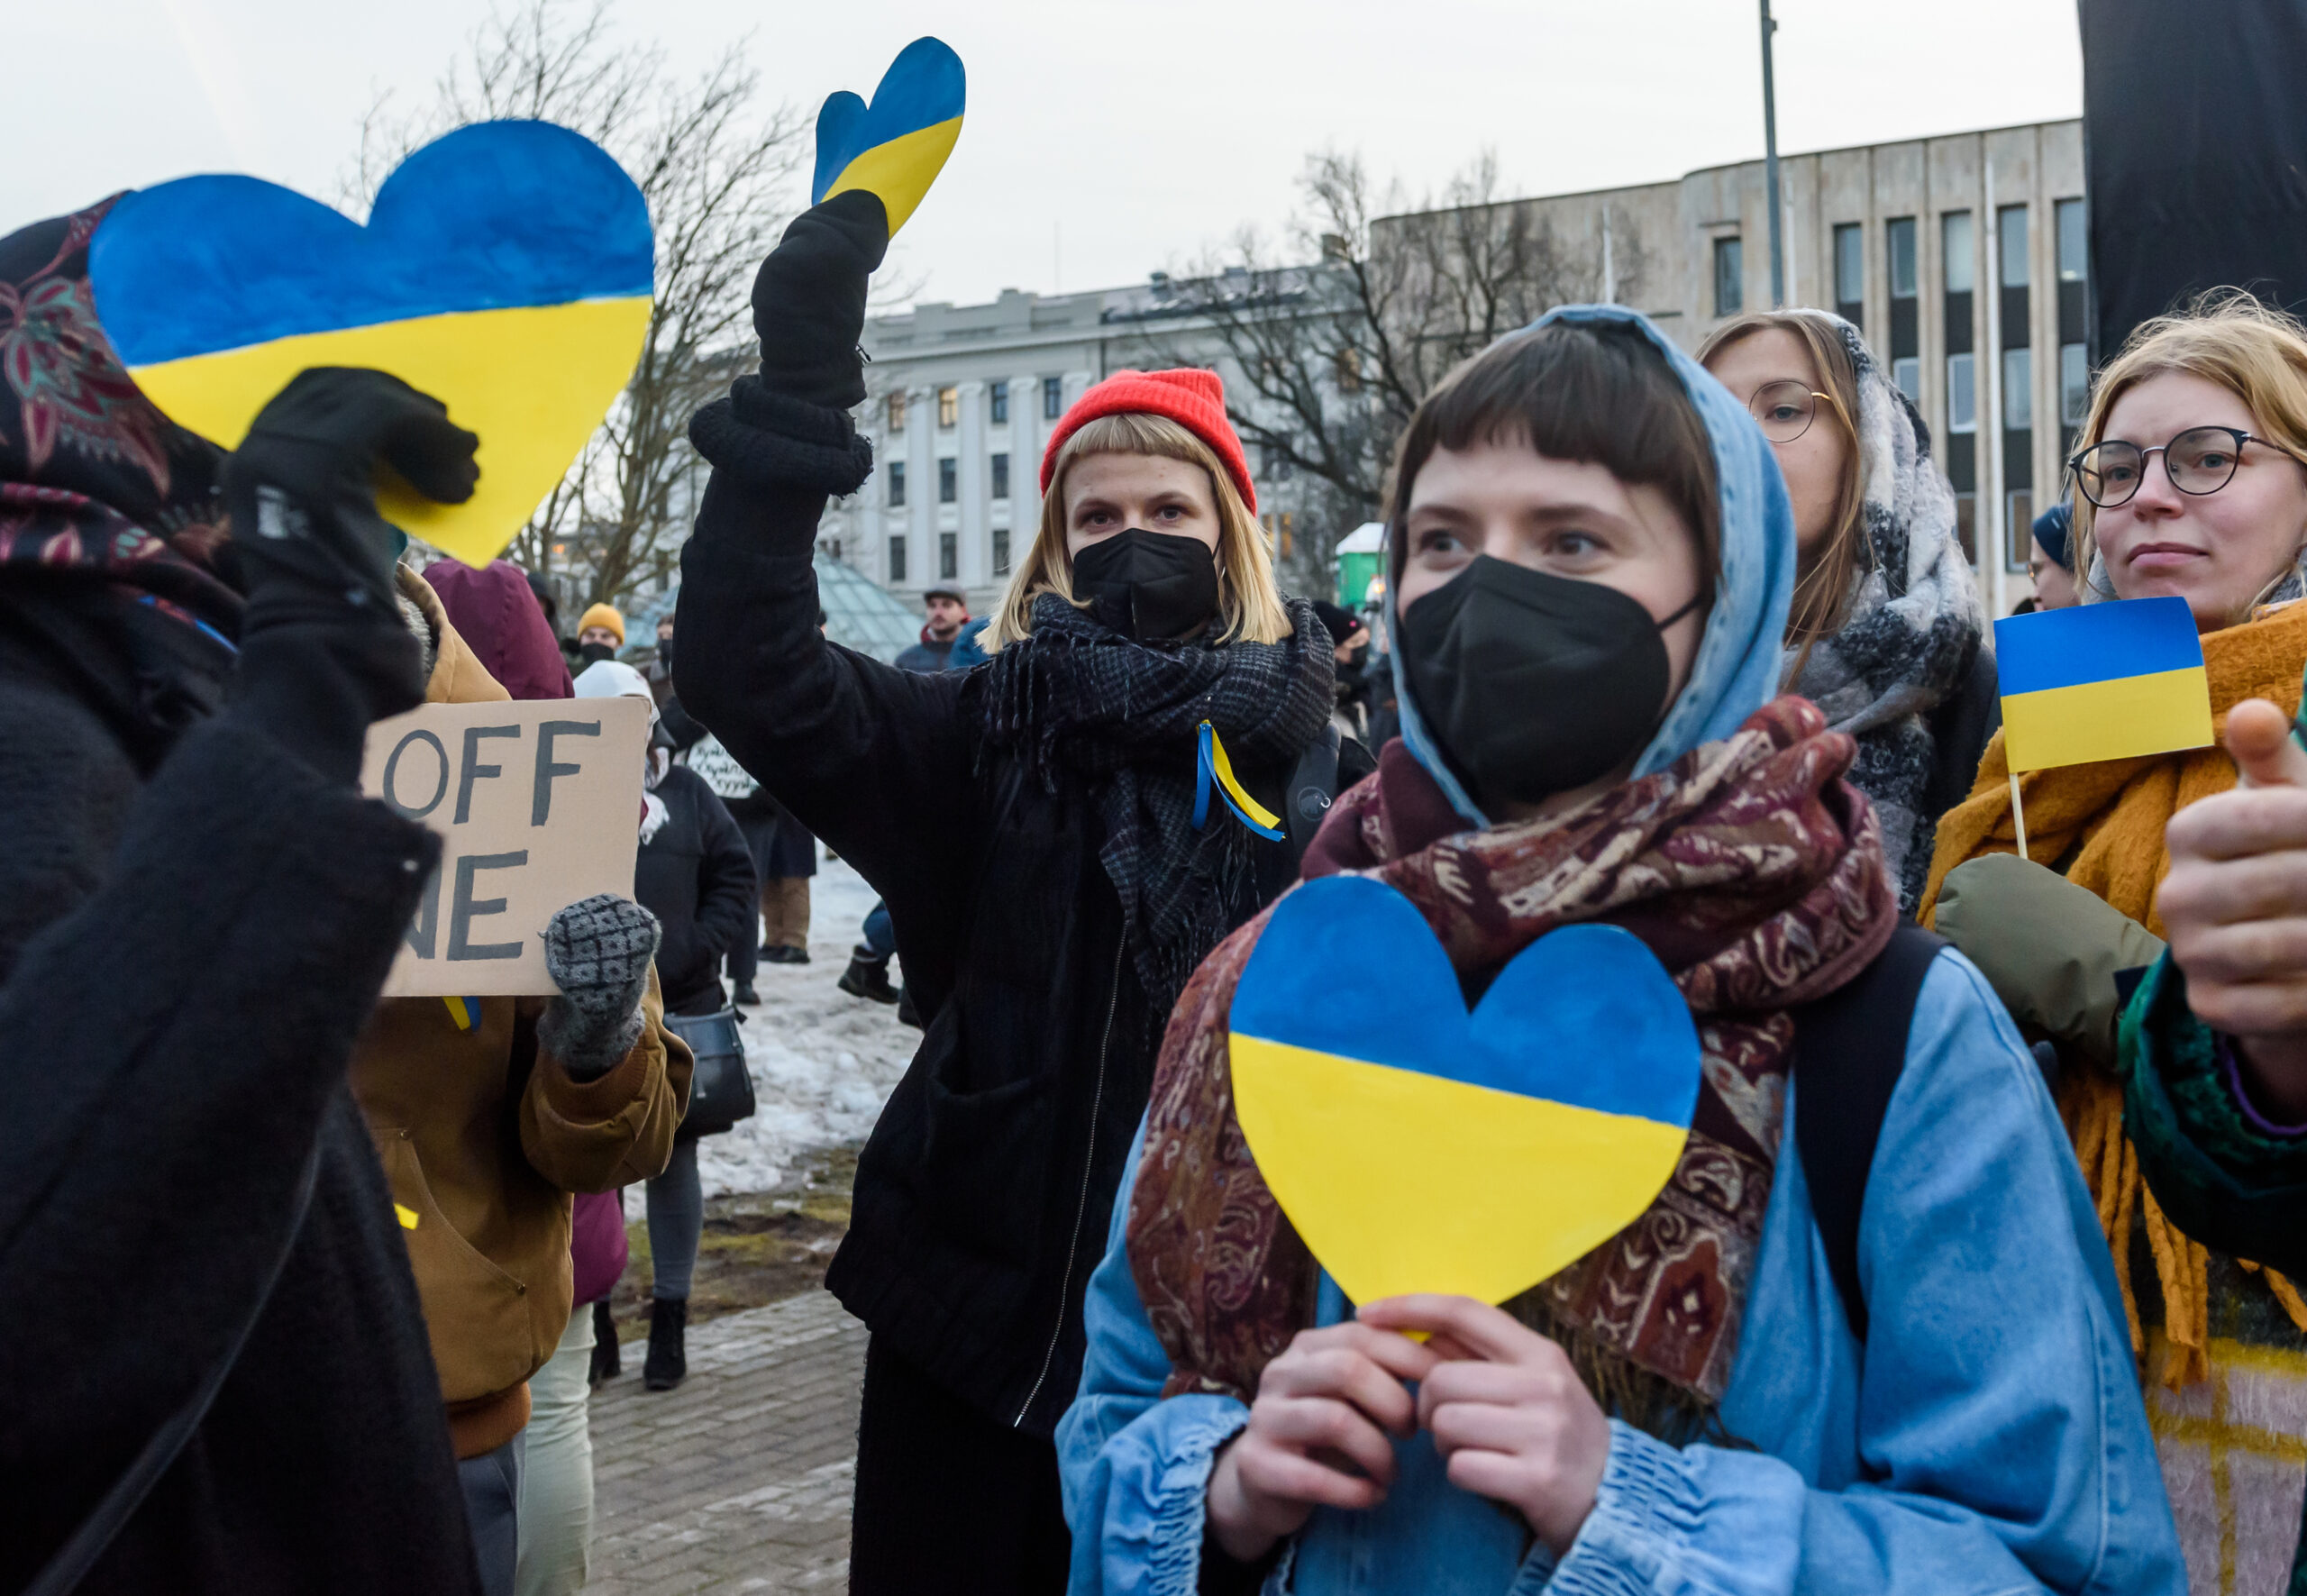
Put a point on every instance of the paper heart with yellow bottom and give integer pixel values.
(505, 270)
(1418, 1147)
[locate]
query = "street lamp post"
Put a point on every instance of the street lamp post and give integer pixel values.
(1770, 167)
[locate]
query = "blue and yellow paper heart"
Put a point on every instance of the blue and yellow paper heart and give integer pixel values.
(896, 146)
(506, 270)
(1419, 1148)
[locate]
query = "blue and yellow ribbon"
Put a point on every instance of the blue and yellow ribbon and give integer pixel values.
(1212, 767)
(465, 1012)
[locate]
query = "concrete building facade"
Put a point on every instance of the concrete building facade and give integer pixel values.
(1962, 259)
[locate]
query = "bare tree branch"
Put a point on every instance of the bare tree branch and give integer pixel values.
(717, 170)
(1371, 303)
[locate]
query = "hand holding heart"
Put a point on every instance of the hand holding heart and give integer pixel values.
(1507, 1414)
(2235, 906)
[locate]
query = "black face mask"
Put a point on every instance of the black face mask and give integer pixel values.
(1156, 587)
(593, 653)
(1534, 684)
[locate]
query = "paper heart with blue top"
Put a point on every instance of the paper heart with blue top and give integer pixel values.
(505, 270)
(896, 146)
(1418, 1147)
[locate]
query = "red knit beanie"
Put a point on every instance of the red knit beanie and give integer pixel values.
(1193, 398)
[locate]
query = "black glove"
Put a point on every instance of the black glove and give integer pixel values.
(809, 300)
(302, 489)
(323, 649)
(597, 952)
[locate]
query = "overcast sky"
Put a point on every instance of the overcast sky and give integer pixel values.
(1105, 139)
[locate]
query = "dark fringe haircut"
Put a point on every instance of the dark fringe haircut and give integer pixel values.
(1595, 393)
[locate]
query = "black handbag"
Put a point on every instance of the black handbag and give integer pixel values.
(720, 1091)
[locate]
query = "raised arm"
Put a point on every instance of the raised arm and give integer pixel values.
(871, 758)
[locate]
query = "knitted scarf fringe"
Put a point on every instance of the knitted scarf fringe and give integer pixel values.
(2093, 1105)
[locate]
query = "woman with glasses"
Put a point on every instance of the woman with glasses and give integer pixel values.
(2186, 1105)
(1883, 635)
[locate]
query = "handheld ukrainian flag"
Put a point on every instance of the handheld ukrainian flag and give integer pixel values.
(2102, 681)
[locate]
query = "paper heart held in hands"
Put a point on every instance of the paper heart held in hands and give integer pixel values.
(896, 146)
(505, 270)
(1419, 1148)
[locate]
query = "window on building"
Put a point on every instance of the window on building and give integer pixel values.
(949, 406)
(2018, 392)
(949, 556)
(1346, 371)
(897, 411)
(2073, 394)
(2010, 245)
(2073, 315)
(897, 558)
(1957, 251)
(1962, 394)
(1906, 307)
(1899, 242)
(1000, 476)
(998, 396)
(949, 480)
(1850, 272)
(2019, 517)
(1729, 277)
(1001, 551)
(1052, 398)
(896, 484)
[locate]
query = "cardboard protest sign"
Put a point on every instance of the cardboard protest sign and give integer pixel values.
(1417, 1147)
(538, 804)
(506, 270)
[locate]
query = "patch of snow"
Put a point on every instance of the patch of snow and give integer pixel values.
(823, 1062)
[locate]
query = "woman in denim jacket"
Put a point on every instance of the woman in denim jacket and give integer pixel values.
(1239, 1424)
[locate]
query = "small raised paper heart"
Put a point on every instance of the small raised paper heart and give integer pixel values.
(1419, 1148)
(896, 146)
(506, 270)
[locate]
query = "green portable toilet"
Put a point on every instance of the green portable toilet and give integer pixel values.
(1361, 560)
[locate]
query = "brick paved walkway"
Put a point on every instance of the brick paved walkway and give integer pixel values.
(740, 1479)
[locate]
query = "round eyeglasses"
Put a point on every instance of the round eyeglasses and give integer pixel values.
(1786, 409)
(2201, 459)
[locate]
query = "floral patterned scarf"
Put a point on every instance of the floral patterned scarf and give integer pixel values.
(94, 479)
(1753, 871)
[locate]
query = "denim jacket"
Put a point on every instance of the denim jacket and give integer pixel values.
(1988, 1438)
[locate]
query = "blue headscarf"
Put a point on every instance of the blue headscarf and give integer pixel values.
(1736, 671)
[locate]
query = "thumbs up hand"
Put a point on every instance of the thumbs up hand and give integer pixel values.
(2235, 907)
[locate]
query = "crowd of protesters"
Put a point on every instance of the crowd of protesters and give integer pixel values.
(1975, 1270)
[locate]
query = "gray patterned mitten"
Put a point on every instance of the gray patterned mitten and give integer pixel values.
(597, 952)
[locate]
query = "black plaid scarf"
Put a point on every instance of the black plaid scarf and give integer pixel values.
(1079, 697)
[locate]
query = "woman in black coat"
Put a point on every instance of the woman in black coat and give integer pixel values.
(1032, 825)
(198, 909)
(694, 873)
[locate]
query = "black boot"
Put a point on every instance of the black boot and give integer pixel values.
(866, 977)
(606, 1366)
(667, 1364)
(745, 997)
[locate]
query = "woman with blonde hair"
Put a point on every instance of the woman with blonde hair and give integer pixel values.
(1884, 633)
(2192, 482)
(1055, 864)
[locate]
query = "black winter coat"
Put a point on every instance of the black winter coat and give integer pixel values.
(185, 963)
(695, 876)
(983, 1197)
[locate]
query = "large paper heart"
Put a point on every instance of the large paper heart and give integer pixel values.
(1417, 1148)
(896, 146)
(505, 270)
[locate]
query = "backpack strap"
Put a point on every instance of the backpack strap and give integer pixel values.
(1850, 1047)
(1313, 786)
